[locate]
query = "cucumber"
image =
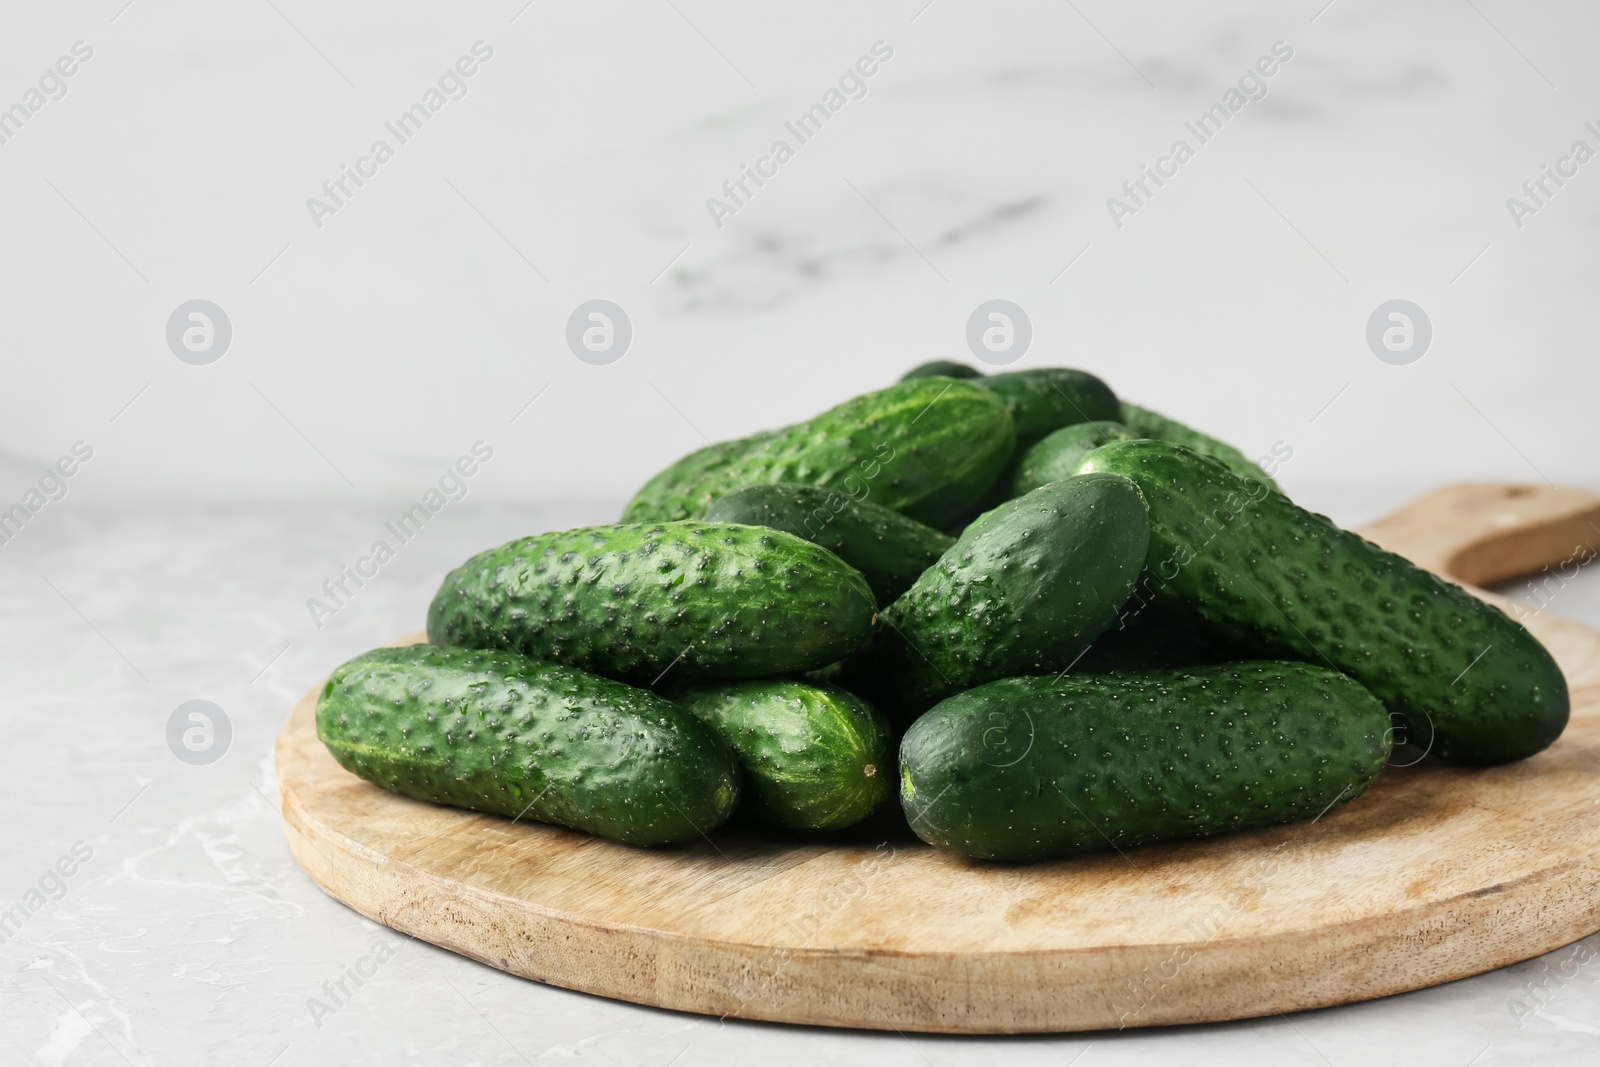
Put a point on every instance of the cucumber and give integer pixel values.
(1056, 456)
(1045, 399)
(888, 549)
(674, 493)
(1023, 591)
(708, 600)
(1044, 768)
(1147, 424)
(926, 448)
(941, 368)
(500, 733)
(1266, 574)
(812, 757)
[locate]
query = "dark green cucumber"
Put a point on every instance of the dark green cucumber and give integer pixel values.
(500, 733)
(888, 549)
(941, 368)
(705, 599)
(1266, 574)
(1045, 399)
(926, 448)
(1148, 424)
(1023, 591)
(1044, 768)
(675, 493)
(1056, 456)
(813, 757)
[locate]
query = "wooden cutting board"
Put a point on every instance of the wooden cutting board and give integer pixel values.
(1434, 874)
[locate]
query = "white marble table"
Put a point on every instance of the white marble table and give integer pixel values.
(189, 936)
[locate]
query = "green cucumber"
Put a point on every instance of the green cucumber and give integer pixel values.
(1045, 768)
(941, 368)
(1148, 424)
(500, 733)
(675, 492)
(1056, 456)
(888, 549)
(1266, 574)
(926, 448)
(1023, 591)
(813, 757)
(705, 599)
(1045, 399)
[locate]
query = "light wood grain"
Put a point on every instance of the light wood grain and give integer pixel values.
(1434, 874)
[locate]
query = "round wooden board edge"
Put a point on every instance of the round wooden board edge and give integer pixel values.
(1446, 941)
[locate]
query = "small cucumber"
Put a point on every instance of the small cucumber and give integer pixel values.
(1265, 574)
(813, 757)
(1056, 456)
(1147, 424)
(705, 599)
(1023, 591)
(675, 493)
(926, 448)
(888, 549)
(1044, 768)
(941, 368)
(1045, 399)
(500, 733)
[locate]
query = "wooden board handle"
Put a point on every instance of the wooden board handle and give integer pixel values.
(1481, 533)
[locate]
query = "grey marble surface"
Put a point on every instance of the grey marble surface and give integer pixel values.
(189, 936)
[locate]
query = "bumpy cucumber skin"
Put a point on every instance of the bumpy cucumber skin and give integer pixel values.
(1056, 456)
(1266, 574)
(1156, 427)
(1044, 768)
(500, 733)
(707, 600)
(926, 448)
(941, 368)
(676, 492)
(888, 549)
(1023, 591)
(1047, 398)
(812, 757)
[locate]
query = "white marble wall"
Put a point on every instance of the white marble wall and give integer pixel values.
(431, 307)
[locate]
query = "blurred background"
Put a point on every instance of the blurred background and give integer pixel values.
(355, 341)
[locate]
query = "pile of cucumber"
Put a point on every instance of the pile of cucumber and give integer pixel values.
(1050, 621)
